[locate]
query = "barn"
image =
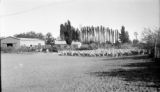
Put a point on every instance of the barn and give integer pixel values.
(18, 42)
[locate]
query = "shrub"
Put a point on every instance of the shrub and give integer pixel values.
(23, 49)
(108, 42)
(126, 46)
(93, 46)
(8, 49)
(53, 49)
(74, 47)
(44, 49)
(85, 47)
(20, 49)
(61, 47)
(117, 45)
(65, 47)
(49, 48)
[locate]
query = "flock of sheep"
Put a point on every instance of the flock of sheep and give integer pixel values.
(103, 52)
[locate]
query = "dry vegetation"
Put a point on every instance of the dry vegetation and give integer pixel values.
(53, 73)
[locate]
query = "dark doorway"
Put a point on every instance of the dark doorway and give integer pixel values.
(9, 44)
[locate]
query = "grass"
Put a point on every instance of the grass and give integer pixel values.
(46, 72)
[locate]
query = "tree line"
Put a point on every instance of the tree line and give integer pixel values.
(88, 34)
(100, 34)
(30, 34)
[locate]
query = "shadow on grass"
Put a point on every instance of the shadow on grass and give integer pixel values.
(128, 57)
(137, 72)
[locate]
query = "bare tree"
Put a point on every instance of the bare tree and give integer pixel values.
(135, 34)
(152, 38)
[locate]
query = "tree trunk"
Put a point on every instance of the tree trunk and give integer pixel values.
(155, 49)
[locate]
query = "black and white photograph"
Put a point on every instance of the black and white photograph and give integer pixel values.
(80, 45)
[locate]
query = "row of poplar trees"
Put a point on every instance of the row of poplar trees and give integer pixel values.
(91, 34)
(99, 34)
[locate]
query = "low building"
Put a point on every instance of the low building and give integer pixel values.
(58, 42)
(18, 42)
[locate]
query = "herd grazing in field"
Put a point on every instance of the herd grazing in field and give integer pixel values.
(103, 52)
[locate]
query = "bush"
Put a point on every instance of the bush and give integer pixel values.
(85, 47)
(61, 47)
(50, 48)
(44, 49)
(8, 49)
(108, 46)
(117, 45)
(23, 49)
(53, 49)
(20, 49)
(126, 46)
(93, 46)
(65, 47)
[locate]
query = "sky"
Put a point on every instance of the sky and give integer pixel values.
(18, 16)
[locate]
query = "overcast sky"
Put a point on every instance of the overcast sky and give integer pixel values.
(17, 16)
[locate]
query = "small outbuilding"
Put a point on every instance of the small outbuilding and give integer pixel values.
(18, 42)
(63, 43)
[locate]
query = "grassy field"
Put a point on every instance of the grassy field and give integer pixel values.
(48, 72)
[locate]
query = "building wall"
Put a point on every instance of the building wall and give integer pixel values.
(14, 41)
(64, 43)
(17, 42)
(31, 42)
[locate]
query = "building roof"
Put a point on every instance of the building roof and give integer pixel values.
(9, 37)
(1, 38)
(25, 39)
(60, 42)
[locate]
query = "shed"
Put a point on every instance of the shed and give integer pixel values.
(58, 42)
(18, 42)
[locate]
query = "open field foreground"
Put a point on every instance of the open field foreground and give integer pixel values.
(48, 72)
